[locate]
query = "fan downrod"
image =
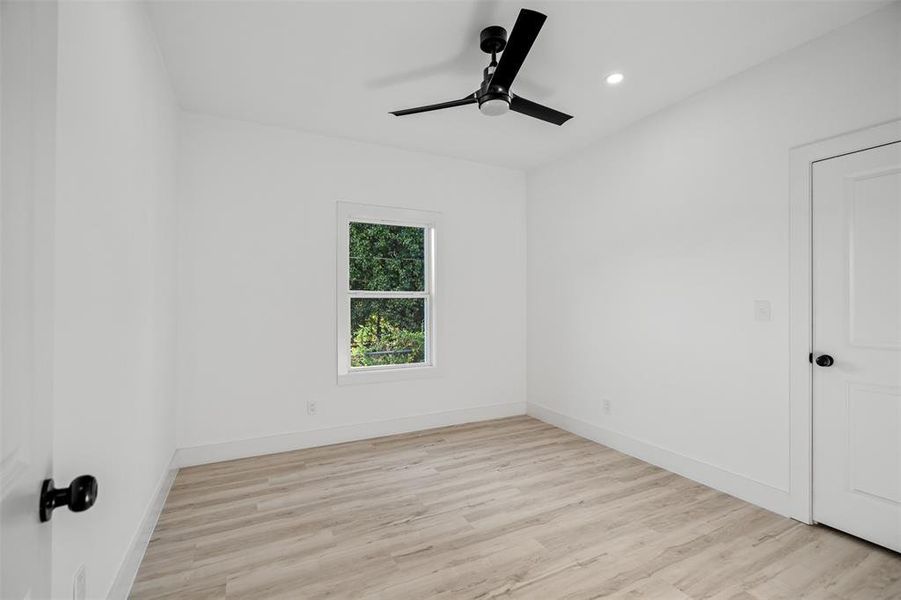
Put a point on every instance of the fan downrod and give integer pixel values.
(493, 39)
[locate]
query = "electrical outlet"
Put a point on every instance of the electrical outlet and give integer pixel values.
(606, 406)
(312, 409)
(79, 584)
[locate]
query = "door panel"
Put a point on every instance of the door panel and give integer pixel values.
(873, 467)
(875, 262)
(857, 320)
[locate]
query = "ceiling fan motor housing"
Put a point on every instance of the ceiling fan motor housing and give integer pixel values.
(493, 101)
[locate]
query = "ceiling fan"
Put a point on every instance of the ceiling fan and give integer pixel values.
(494, 96)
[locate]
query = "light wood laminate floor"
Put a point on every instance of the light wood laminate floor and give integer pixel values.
(512, 508)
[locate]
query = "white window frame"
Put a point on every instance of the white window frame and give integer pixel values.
(385, 215)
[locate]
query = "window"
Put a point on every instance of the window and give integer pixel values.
(386, 292)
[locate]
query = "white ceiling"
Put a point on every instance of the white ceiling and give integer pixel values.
(337, 68)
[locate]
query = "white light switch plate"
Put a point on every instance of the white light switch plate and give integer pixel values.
(763, 310)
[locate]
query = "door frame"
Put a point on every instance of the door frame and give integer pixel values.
(802, 159)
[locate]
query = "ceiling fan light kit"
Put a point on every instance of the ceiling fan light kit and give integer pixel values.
(494, 97)
(494, 107)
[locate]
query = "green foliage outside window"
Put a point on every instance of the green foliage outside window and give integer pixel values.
(387, 258)
(387, 331)
(377, 341)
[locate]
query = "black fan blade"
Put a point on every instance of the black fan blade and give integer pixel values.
(533, 109)
(470, 99)
(525, 30)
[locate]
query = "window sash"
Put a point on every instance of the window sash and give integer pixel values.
(427, 266)
(426, 250)
(426, 324)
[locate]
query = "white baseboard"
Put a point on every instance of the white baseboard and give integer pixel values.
(749, 490)
(132, 561)
(210, 453)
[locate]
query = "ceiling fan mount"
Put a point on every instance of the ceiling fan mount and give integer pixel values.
(494, 96)
(493, 39)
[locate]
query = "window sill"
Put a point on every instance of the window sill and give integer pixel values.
(387, 375)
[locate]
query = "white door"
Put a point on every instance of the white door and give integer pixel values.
(857, 323)
(27, 150)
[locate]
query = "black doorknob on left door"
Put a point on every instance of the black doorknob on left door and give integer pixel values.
(824, 360)
(79, 496)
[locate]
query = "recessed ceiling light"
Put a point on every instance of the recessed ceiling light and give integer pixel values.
(615, 78)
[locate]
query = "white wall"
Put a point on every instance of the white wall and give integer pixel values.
(257, 247)
(115, 275)
(648, 250)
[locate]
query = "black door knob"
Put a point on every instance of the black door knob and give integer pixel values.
(80, 495)
(824, 360)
